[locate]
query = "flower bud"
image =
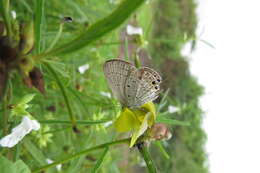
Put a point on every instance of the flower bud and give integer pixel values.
(26, 38)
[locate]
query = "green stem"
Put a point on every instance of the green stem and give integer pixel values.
(38, 24)
(72, 118)
(82, 153)
(68, 122)
(5, 103)
(147, 158)
(159, 145)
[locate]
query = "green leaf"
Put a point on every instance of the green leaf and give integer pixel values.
(100, 161)
(20, 108)
(100, 28)
(21, 167)
(26, 99)
(6, 166)
(169, 121)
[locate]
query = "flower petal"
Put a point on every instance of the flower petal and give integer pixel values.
(17, 134)
(132, 30)
(173, 109)
(83, 68)
(141, 130)
(105, 94)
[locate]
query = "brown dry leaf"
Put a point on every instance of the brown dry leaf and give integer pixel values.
(37, 79)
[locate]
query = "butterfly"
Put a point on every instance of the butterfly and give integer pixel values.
(132, 86)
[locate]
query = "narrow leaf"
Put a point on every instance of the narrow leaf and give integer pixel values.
(35, 152)
(38, 23)
(171, 121)
(100, 161)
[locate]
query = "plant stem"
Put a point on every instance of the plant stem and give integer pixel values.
(82, 153)
(5, 103)
(147, 158)
(78, 122)
(72, 118)
(38, 24)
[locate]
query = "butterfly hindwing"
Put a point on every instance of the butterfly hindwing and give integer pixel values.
(146, 86)
(131, 88)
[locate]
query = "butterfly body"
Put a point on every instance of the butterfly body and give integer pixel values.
(131, 86)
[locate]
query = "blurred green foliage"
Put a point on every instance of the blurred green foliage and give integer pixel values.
(171, 25)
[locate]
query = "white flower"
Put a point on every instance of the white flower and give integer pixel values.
(58, 167)
(17, 134)
(113, 1)
(173, 109)
(105, 94)
(107, 124)
(132, 30)
(83, 68)
(13, 13)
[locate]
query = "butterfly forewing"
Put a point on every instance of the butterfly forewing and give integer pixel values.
(116, 72)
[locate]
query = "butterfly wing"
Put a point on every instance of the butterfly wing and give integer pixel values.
(116, 72)
(145, 87)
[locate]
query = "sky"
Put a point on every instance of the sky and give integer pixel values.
(230, 73)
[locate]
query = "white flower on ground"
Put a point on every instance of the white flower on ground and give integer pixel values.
(173, 109)
(83, 68)
(17, 134)
(132, 30)
(105, 94)
(58, 167)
